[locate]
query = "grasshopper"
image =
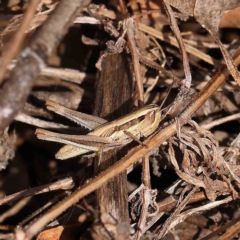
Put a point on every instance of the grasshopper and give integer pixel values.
(104, 135)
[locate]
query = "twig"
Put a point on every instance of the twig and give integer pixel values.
(171, 40)
(221, 121)
(15, 209)
(191, 61)
(167, 225)
(14, 45)
(66, 183)
(123, 9)
(233, 223)
(197, 210)
(175, 29)
(216, 81)
(70, 75)
(44, 207)
(32, 59)
(66, 74)
(146, 178)
(158, 67)
(227, 57)
(21, 117)
(87, 20)
(188, 78)
(168, 204)
(146, 201)
(136, 154)
(135, 59)
(225, 102)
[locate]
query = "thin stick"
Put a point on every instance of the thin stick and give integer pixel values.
(15, 209)
(123, 9)
(135, 59)
(181, 217)
(167, 225)
(219, 230)
(221, 121)
(200, 98)
(188, 77)
(158, 67)
(44, 207)
(175, 29)
(14, 45)
(146, 178)
(66, 74)
(171, 40)
(21, 117)
(66, 183)
(227, 57)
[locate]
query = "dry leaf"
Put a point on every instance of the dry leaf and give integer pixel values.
(231, 19)
(209, 17)
(208, 13)
(51, 234)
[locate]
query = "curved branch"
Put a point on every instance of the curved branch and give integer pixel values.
(31, 60)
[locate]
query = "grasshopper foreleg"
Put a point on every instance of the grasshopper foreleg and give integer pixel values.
(133, 137)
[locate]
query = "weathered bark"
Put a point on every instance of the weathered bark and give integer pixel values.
(113, 100)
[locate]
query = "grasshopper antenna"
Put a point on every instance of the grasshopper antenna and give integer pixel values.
(165, 98)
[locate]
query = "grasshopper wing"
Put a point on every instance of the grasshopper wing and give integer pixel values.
(88, 121)
(77, 144)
